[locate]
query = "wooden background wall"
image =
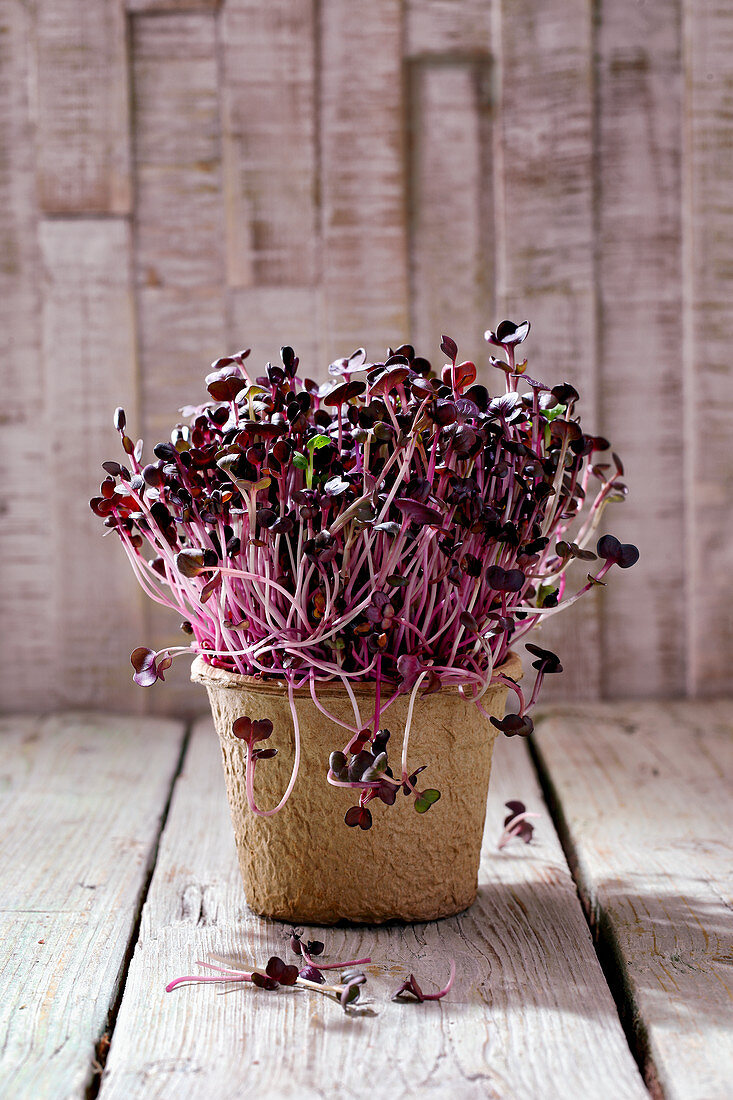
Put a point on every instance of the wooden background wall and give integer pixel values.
(179, 178)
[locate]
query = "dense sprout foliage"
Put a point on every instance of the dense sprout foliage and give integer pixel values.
(392, 525)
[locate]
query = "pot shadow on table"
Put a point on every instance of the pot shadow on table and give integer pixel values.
(666, 956)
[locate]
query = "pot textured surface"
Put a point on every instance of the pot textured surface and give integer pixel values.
(304, 864)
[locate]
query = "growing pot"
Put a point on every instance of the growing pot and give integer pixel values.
(304, 864)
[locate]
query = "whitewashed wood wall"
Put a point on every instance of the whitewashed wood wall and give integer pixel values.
(181, 177)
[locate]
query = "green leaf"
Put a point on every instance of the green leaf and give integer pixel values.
(544, 591)
(425, 800)
(554, 412)
(317, 442)
(300, 461)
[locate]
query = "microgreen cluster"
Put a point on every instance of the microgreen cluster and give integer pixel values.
(396, 525)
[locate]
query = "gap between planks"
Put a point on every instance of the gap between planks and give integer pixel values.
(638, 795)
(88, 789)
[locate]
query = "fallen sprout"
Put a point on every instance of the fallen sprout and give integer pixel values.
(410, 990)
(517, 824)
(278, 974)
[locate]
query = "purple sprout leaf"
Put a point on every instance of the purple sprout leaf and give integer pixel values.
(143, 660)
(410, 990)
(191, 563)
(508, 334)
(282, 972)
(517, 824)
(514, 725)
(419, 513)
(449, 348)
(358, 816)
(264, 981)
(547, 661)
(622, 554)
(251, 731)
(312, 974)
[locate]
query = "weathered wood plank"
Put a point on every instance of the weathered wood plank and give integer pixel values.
(23, 550)
(19, 269)
(179, 245)
(264, 318)
(530, 1013)
(137, 6)
(640, 360)
(644, 792)
(83, 132)
(708, 246)
(545, 237)
(269, 142)
(94, 611)
(451, 225)
(455, 27)
(363, 186)
(81, 801)
(179, 250)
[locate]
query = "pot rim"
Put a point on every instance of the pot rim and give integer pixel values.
(203, 673)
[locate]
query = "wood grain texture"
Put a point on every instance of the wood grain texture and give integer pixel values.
(19, 267)
(179, 247)
(88, 338)
(708, 247)
(451, 224)
(23, 550)
(82, 95)
(82, 799)
(543, 159)
(529, 1015)
(447, 27)
(264, 318)
(269, 142)
(640, 364)
(361, 133)
(137, 6)
(644, 792)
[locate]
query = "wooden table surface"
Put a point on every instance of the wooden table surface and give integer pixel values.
(119, 872)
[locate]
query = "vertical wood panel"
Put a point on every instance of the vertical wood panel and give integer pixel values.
(269, 141)
(19, 269)
(447, 27)
(23, 550)
(640, 290)
(171, 5)
(179, 263)
(545, 235)
(265, 318)
(708, 341)
(83, 107)
(451, 246)
(88, 340)
(179, 247)
(364, 236)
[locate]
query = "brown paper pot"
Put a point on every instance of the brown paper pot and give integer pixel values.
(304, 864)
